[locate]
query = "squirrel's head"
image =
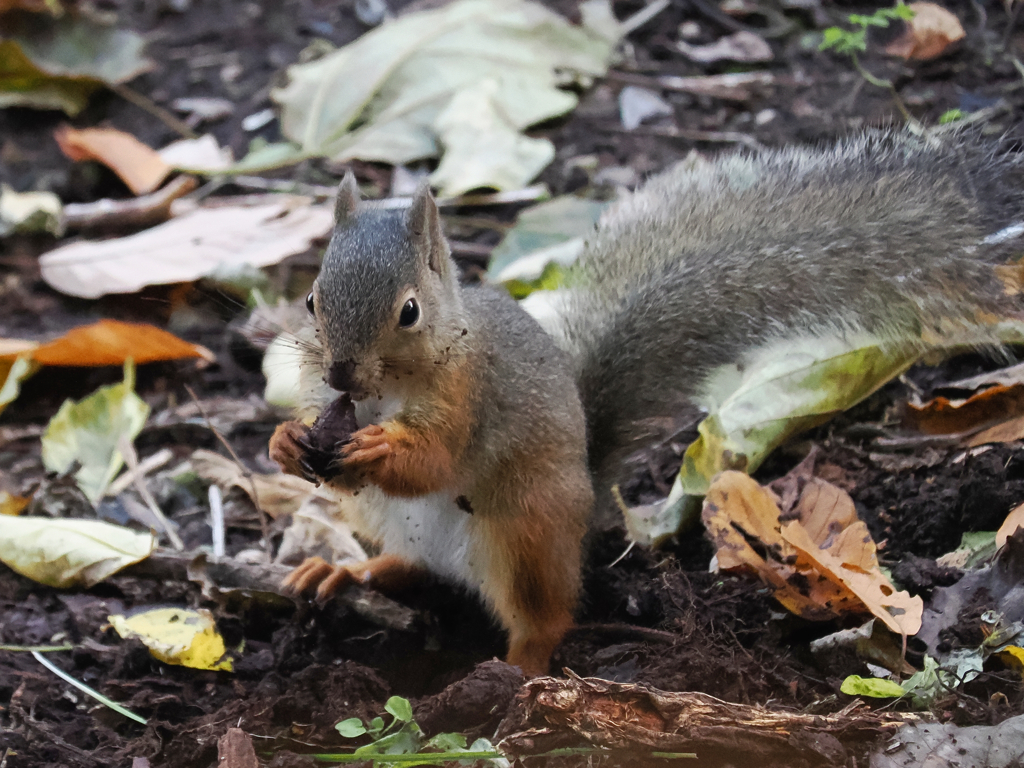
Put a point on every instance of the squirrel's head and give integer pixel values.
(386, 302)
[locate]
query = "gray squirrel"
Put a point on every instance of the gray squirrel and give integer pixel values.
(473, 441)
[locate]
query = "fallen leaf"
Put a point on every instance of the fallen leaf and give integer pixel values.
(14, 372)
(997, 585)
(639, 104)
(411, 84)
(1008, 376)
(784, 389)
(278, 494)
(88, 432)
(140, 167)
(188, 247)
(10, 504)
(742, 46)
(1013, 656)
(819, 579)
(875, 687)
(483, 146)
(947, 745)
(64, 553)
(1013, 522)
(550, 233)
(942, 416)
(57, 63)
(927, 36)
(177, 636)
(29, 212)
(202, 155)
(112, 342)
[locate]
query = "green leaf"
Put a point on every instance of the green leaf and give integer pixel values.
(88, 432)
(552, 232)
(951, 116)
(351, 728)
(876, 687)
(376, 726)
(400, 708)
(467, 78)
(448, 742)
(783, 390)
(57, 63)
(404, 741)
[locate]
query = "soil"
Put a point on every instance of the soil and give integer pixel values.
(647, 616)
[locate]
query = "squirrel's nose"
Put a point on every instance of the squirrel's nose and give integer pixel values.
(341, 376)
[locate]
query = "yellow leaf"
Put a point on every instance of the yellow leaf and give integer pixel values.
(67, 553)
(88, 432)
(11, 504)
(177, 636)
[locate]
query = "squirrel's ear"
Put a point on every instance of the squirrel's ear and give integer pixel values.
(348, 198)
(423, 222)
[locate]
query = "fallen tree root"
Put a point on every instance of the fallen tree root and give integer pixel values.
(639, 719)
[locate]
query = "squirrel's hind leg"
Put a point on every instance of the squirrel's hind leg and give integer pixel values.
(386, 573)
(534, 555)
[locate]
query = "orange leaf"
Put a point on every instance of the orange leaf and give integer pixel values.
(927, 36)
(111, 342)
(138, 166)
(942, 416)
(1011, 524)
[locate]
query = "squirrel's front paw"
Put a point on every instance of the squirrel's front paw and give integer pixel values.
(367, 447)
(290, 448)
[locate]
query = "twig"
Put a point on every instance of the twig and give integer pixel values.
(641, 17)
(124, 445)
(144, 467)
(216, 520)
(672, 132)
(527, 195)
(227, 573)
(148, 105)
(264, 529)
(320, 191)
(138, 212)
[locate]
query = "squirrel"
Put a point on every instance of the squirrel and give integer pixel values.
(479, 439)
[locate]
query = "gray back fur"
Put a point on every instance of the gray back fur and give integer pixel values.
(882, 233)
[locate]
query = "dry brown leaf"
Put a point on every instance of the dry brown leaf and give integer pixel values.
(108, 342)
(278, 494)
(927, 36)
(137, 165)
(1011, 524)
(942, 416)
(1008, 432)
(224, 235)
(821, 563)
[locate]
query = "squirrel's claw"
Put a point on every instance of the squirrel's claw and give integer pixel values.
(316, 572)
(368, 445)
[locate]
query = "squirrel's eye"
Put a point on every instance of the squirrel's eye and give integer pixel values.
(410, 314)
(309, 303)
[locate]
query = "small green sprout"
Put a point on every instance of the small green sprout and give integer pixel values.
(951, 116)
(853, 42)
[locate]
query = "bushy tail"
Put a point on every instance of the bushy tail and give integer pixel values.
(888, 233)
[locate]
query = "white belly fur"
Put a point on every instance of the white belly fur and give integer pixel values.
(428, 530)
